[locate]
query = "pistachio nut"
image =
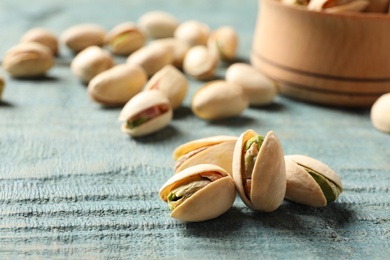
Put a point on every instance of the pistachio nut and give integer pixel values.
(219, 99)
(260, 89)
(152, 58)
(310, 181)
(42, 36)
(295, 2)
(199, 193)
(259, 170)
(2, 85)
(90, 62)
(380, 113)
(224, 41)
(117, 85)
(179, 48)
(146, 113)
(172, 83)
(337, 6)
(200, 63)
(81, 36)
(158, 24)
(125, 38)
(28, 59)
(193, 32)
(216, 150)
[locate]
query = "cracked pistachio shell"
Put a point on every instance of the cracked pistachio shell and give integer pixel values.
(210, 101)
(90, 62)
(158, 24)
(209, 202)
(179, 48)
(260, 89)
(216, 150)
(125, 38)
(200, 63)
(338, 6)
(81, 36)
(314, 190)
(146, 101)
(42, 36)
(28, 59)
(172, 83)
(224, 41)
(117, 85)
(152, 58)
(380, 113)
(2, 85)
(268, 179)
(193, 32)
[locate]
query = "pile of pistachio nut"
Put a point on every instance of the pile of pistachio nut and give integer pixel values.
(161, 52)
(210, 171)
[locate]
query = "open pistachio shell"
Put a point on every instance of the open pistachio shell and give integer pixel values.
(224, 41)
(145, 113)
(216, 150)
(180, 49)
(42, 36)
(310, 181)
(125, 38)
(200, 63)
(193, 32)
(265, 189)
(209, 200)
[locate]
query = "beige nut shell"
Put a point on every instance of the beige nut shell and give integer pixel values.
(207, 203)
(193, 32)
(42, 36)
(2, 85)
(130, 38)
(80, 36)
(200, 63)
(224, 41)
(179, 48)
(117, 85)
(158, 24)
(141, 102)
(380, 113)
(269, 173)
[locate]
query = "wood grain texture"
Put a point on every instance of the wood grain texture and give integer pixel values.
(73, 186)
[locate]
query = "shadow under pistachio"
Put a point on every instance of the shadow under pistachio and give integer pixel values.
(273, 107)
(4, 103)
(42, 78)
(182, 112)
(241, 120)
(162, 135)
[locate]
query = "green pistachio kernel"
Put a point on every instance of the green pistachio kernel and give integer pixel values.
(180, 194)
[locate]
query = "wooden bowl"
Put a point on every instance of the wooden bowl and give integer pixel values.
(331, 59)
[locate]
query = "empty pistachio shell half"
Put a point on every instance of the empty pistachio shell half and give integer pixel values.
(310, 181)
(179, 48)
(90, 62)
(2, 85)
(210, 101)
(172, 83)
(260, 89)
(193, 32)
(81, 36)
(125, 38)
(259, 170)
(224, 41)
(200, 63)
(146, 113)
(28, 59)
(152, 58)
(117, 85)
(199, 193)
(158, 24)
(380, 113)
(42, 36)
(216, 150)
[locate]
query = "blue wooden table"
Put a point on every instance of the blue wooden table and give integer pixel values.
(72, 185)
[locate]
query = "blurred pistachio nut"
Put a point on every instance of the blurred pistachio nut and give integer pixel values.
(295, 2)
(380, 113)
(199, 193)
(179, 48)
(146, 113)
(2, 85)
(216, 150)
(260, 89)
(42, 36)
(90, 62)
(219, 99)
(172, 83)
(125, 38)
(338, 6)
(193, 32)
(259, 170)
(28, 59)
(224, 41)
(310, 181)
(117, 85)
(152, 58)
(81, 36)
(200, 63)
(158, 24)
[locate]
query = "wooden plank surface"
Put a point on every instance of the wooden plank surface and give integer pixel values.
(73, 186)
